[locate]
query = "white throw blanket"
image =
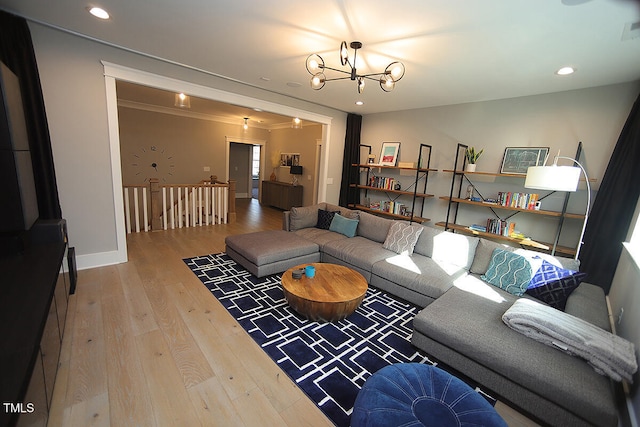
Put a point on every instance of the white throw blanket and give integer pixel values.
(609, 354)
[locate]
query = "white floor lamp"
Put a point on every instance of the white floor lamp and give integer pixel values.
(560, 178)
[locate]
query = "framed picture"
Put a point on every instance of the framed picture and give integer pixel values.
(518, 159)
(389, 153)
(290, 159)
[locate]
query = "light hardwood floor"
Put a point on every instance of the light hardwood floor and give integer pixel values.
(146, 344)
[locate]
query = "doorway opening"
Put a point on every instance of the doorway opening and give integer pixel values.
(255, 171)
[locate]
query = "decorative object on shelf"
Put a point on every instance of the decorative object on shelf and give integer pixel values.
(371, 159)
(389, 153)
(516, 160)
(387, 78)
(182, 101)
(397, 186)
(560, 178)
(273, 176)
(469, 191)
(296, 123)
(295, 171)
(472, 158)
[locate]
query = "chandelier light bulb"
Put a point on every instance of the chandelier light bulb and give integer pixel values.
(395, 70)
(387, 83)
(317, 81)
(245, 126)
(314, 64)
(344, 53)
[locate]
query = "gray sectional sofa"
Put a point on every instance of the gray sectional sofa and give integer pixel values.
(461, 323)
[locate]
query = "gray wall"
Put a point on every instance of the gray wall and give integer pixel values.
(594, 116)
(73, 85)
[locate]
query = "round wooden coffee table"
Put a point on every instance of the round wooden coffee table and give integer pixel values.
(334, 293)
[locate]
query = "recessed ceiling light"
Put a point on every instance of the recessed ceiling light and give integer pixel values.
(565, 71)
(266, 79)
(294, 84)
(99, 12)
(359, 102)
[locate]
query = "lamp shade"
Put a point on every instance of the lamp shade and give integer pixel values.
(553, 178)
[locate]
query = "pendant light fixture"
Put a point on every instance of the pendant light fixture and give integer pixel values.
(182, 101)
(245, 126)
(296, 123)
(387, 78)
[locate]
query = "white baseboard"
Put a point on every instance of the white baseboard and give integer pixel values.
(101, 259)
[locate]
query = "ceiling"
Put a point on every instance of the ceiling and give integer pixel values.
(454, 51)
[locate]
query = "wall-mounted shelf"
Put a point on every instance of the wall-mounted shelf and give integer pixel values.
(392, 194)
(451, 222)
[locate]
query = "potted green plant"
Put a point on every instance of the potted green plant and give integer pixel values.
(472, 158)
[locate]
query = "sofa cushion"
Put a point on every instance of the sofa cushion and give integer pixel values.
(324, 219)
(444, 246)
(402, 238)
(486, 247)
(357, 251)
(319, 236)
(418, 273)
(508, 271)
(343, 225)
(589, 303)
(345, 212)
(374, 227)
(303, 217)
(483, 254)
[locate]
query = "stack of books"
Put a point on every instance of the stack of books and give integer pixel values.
(503, 228)
(383, 182)
(518, 200)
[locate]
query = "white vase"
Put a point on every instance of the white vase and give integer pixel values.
(471, 167)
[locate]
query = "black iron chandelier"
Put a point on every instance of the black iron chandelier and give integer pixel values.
(387, 78)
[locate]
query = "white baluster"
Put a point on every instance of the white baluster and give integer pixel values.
(127, 210)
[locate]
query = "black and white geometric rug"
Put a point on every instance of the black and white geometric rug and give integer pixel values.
(329, 361)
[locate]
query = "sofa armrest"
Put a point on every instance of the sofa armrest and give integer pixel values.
(285, 220)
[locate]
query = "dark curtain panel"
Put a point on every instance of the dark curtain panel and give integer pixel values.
(614, 206)
(349, 195)
(16, 51)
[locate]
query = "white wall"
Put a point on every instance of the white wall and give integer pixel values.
(74, 92)
(594, 116)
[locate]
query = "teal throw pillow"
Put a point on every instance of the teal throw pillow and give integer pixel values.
(343, 225)
(508, 271)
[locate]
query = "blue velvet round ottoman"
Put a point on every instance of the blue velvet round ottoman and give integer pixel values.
(414, 394)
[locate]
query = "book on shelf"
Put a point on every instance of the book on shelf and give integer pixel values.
(517, 200)
(501, 227)
(391, 207)
(477, 227)
(382, 182)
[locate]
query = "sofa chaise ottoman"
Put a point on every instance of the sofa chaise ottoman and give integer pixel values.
(271, 251)
(465, 331)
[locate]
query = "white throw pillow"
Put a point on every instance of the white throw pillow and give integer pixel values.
(402, 238)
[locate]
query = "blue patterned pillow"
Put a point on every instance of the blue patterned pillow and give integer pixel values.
(324, 219)
(553, 285)
(343, 225)
(508, 271)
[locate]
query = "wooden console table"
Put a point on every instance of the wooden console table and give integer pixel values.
(281, 195)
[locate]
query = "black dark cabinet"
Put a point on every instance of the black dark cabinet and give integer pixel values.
(34, 289)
